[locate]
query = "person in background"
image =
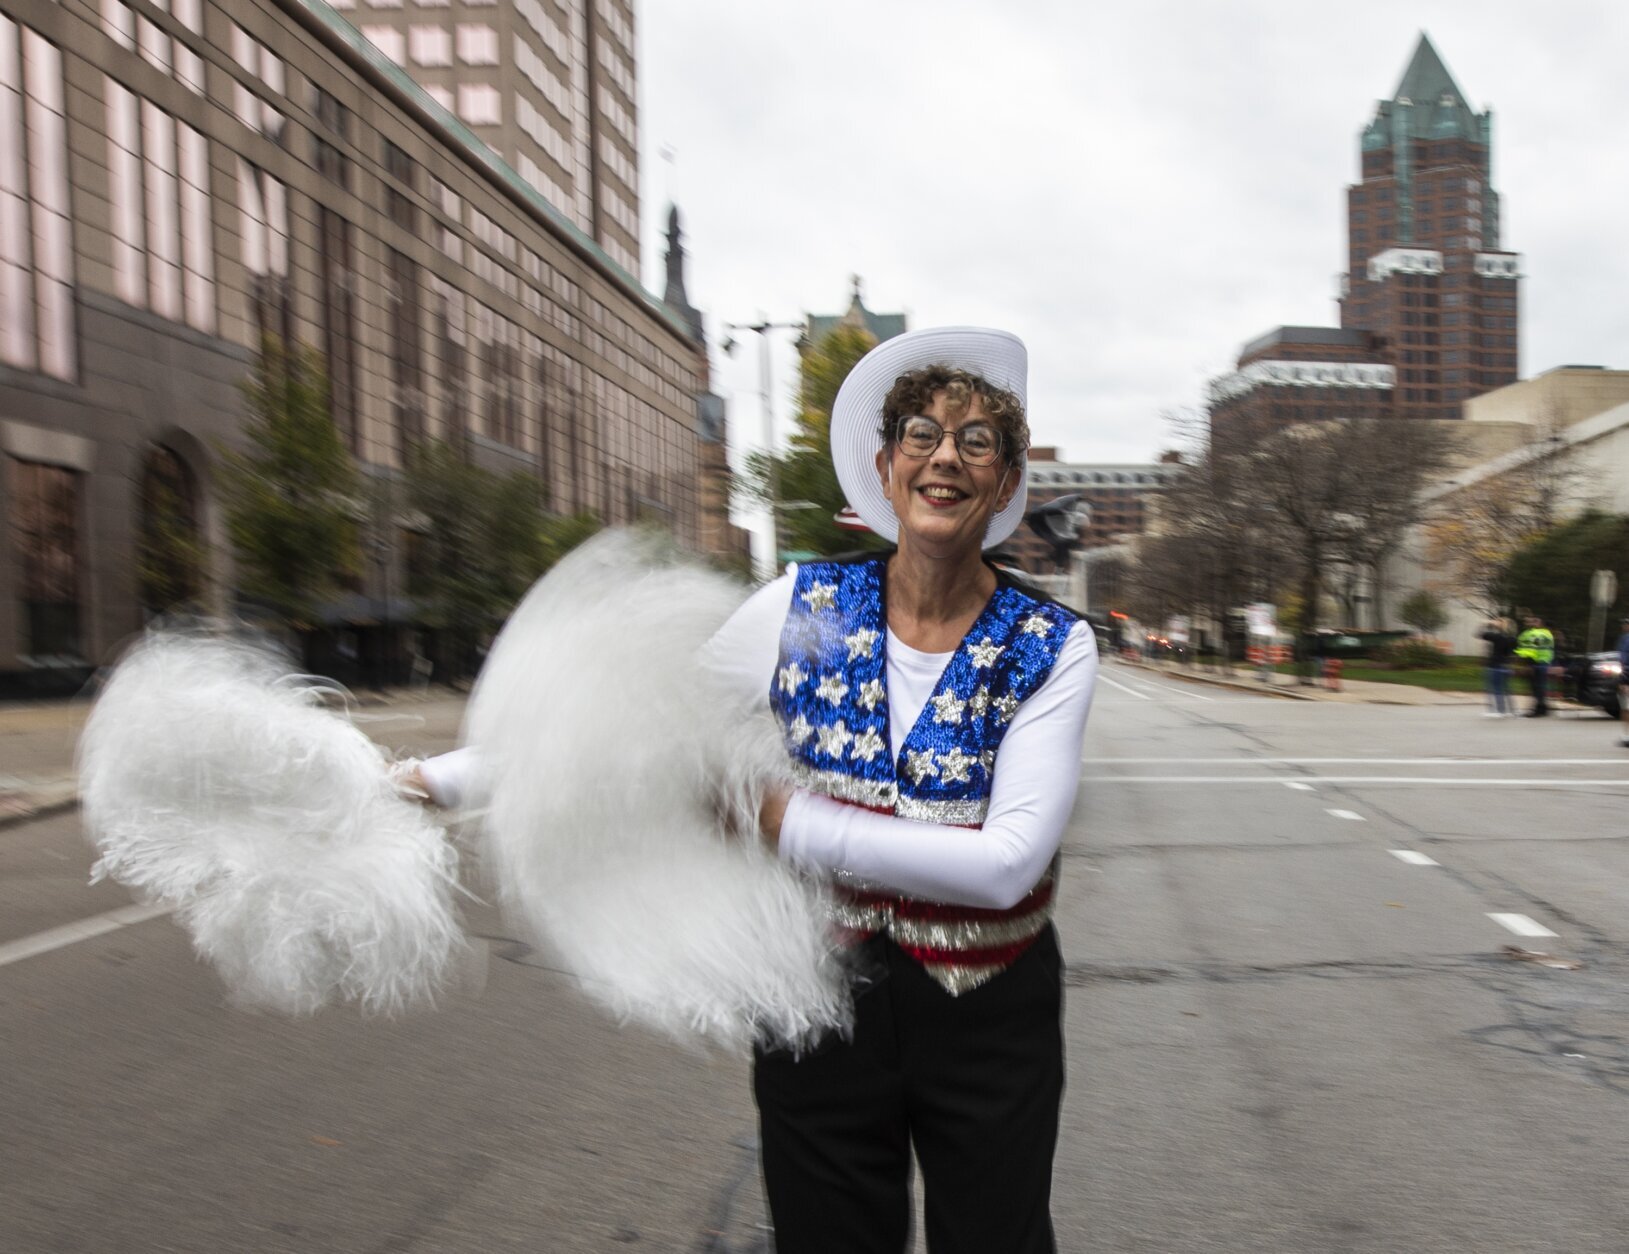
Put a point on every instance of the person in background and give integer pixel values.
(1536, 646)
(1501, 644)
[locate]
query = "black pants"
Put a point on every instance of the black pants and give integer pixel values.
(1539, 676)
(973, 1083)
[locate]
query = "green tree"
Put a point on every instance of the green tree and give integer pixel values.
(484, 539)
(290, 499)
(1422, 611)
(806, 484)
(1550, 575)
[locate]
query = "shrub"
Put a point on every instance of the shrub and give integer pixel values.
(1412, 655)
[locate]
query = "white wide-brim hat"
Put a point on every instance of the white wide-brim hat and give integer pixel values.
(998, 357)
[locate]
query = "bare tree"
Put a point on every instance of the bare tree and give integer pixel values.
(1472, 532)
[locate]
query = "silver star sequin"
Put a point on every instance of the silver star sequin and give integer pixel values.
(799, 731)
(948, 707)
(953, 766)
(792, 678)
(920, 765)
(987, 760)
(1036, 625)
(867, 744)
(985, 653)
(832, 689)
(861, 643)
(1006, 707)
(820, 596)
(871, 694)
(834, 739)
(979, 701)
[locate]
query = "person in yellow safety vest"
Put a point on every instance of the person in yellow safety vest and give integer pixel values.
(1537, 646)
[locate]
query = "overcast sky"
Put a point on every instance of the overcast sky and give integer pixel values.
(1134, 188)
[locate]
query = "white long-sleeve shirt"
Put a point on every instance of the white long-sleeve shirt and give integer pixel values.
(1032, 789)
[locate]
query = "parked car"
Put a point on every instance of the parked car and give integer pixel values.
(1593, 679)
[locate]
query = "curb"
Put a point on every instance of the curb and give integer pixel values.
(40, 810)
(1259, 689)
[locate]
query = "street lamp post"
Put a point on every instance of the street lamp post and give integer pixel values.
(762, 328)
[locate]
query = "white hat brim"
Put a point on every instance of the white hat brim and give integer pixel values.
(999, 357)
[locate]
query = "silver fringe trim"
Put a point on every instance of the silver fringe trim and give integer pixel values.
(863, 792)
(971, 934)
(955, 813)
(957, 980)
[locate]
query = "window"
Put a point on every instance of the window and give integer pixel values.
(45, 510)
(339, 323)
(163, 214)
(36, 233)
(442, 96)
(477, 45)
(406, 351)
(478, 104)
(429, 45)
(197, 240)
(388, 40)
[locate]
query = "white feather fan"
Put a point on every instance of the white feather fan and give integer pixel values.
(618, 773)
(214, 782)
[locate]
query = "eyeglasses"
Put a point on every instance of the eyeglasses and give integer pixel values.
(978, 443)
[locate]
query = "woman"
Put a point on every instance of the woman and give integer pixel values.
(933, 711)
(1501, 644)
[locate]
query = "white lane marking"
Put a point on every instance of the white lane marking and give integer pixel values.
(1414, 858)
(1521, 925)
(73, 933)
(1255, 761)
(1347, 814)
(1181, 692)
(1143, 695)
(1357, 779)
(1297, 785)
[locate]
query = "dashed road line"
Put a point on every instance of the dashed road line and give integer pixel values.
(73, 933)
(1353, 815)
(1414, 857)
(1297, 785)
(1521, 925)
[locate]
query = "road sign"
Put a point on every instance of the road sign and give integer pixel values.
(1603, 588)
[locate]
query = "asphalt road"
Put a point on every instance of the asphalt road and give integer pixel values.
(1283, 1037)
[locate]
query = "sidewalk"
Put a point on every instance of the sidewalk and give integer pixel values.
(37, 742)
(1352, 691)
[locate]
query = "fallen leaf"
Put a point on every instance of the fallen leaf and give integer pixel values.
(325, 1140)
(1517, 954)
(1397, 905)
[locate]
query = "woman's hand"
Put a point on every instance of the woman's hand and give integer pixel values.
(770, 815)
(409, 781)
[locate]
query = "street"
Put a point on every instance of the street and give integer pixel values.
(1283, 1036)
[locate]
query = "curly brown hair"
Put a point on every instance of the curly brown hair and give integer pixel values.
(913, 394)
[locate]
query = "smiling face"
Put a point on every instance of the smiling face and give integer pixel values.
(942, 503)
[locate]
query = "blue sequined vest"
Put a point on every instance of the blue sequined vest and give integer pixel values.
(830, 695)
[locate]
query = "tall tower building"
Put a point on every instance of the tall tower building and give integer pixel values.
(549, 85)
(1428, 303)
(1427, 270)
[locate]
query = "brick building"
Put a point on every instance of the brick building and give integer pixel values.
(177, 179)
(1429, 301)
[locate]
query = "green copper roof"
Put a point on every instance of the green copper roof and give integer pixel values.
(1427, 104)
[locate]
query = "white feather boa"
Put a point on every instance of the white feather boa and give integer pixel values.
(213, 782)
(618, 772)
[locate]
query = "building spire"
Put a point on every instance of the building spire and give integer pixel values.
(674, 295)
(1427, 80)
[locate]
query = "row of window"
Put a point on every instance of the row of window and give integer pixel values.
(36, 239)
(433, 46)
